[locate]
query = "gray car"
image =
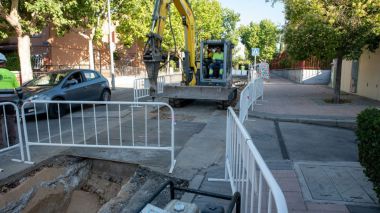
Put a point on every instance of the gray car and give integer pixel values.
(74, 85)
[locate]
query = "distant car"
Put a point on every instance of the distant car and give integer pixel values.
(73, 85)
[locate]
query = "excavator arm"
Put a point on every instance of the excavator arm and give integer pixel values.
(153, 54)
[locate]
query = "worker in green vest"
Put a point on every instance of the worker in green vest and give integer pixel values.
(10, 91)
(216, 68)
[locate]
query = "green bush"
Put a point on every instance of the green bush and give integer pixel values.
(368, 134)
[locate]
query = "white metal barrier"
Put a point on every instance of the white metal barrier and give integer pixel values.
(125, 125)
(10, 129)
(141, 87)
(248, 97)
(247, 172)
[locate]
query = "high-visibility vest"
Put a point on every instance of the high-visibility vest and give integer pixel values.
(8, 80)
(8, 86)
(218, 56)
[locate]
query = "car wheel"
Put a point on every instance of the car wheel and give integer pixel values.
(106, 96)
(53, 111)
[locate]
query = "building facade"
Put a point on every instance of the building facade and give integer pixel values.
(362, 77)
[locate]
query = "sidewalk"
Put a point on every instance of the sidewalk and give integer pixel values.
(285, 98)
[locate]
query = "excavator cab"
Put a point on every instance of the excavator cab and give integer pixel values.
(216, 63)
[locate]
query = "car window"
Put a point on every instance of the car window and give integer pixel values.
(89, 75)
(49, 79)
(76, 76)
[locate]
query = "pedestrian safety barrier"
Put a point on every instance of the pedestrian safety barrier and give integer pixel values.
(249, 96)
(141, 85)
(10, 129)
(247, 172)
(95, 124)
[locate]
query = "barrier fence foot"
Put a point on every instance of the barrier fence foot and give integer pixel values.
(29, 162)
(218, 180)
(1, 170)
(17, 160)
(172, 167)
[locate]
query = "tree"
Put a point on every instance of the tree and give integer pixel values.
(230, 20)
(263, 35)
(87, 17)
(331, 29)
(29, 17)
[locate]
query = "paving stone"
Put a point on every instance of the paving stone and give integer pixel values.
(326, 207)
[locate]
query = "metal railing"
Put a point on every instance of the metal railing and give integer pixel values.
(249, 96)
(247, 172)
(95, 124)
(10, 129)
(140, 88)
(141, 85)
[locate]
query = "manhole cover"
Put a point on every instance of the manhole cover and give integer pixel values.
(335, 182)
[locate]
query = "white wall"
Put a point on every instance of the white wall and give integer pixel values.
(306, 76)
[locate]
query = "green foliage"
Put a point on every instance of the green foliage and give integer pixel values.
(263, 35)
(86, 16)
(368, 134)
(230, 20)
(134, 21)
(330, 28)
(36, 14)
(13, 62)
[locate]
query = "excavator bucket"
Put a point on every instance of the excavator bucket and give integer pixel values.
(152, 68)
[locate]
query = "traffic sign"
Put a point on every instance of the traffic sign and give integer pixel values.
(255, 51)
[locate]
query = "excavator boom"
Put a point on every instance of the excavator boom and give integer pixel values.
(153, 54)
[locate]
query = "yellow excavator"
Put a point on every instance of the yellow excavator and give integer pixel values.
(210, 79)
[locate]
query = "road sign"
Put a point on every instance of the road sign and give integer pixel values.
(255, 51)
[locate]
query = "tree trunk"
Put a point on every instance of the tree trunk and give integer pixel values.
(168, 64)
(24, 55)
(338, 75)
(91, 54)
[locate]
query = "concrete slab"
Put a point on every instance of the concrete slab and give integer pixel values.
(334, 182)
(203, 149)
(318, 143)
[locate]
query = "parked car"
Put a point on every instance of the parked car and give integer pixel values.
(73, 85)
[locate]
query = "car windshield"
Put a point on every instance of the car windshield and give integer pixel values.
(50, 79)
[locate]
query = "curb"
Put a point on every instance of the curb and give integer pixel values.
(340, 123)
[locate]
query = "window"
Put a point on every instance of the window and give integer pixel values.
(76, 76)
(90, 75)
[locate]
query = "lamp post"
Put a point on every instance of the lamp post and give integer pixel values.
(111, 46)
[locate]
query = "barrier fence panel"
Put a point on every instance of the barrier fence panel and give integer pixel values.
(160, 84)
(247, 172)
(141, 85)
(10, 129)
(249, 96)
(246, 99)
(95, 124)
(140, 88)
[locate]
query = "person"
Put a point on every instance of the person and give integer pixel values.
(216, 68)
(208, 61)
(10, 91)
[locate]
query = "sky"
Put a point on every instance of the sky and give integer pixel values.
(256, 10)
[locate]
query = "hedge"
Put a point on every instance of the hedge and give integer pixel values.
(368, 134)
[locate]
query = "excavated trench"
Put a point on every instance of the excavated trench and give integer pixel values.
(75, 184)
